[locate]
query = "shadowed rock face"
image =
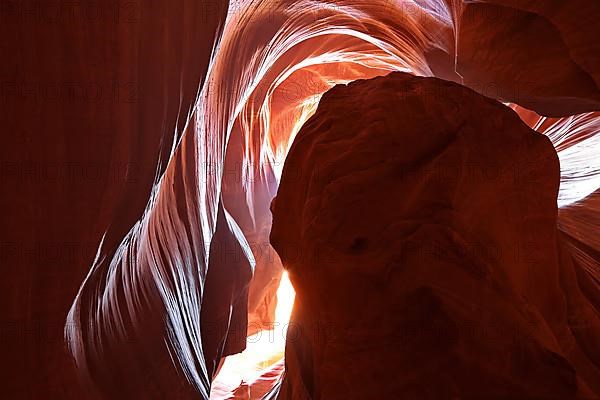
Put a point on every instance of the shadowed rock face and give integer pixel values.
(503, 52)
(94, 95)
(417, 220)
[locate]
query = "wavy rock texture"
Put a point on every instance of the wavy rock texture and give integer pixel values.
(133, 132)
(421, 237)
(94, 95)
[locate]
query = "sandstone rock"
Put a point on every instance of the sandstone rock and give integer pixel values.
(417, 221)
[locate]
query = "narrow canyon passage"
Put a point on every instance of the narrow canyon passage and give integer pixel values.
(301, 199)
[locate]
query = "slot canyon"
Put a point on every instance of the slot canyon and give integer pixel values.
(297, 200)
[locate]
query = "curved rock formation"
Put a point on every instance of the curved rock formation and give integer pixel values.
(134, 132)
(418, 222)
(95, 97)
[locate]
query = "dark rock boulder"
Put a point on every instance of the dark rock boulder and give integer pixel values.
(417, 220)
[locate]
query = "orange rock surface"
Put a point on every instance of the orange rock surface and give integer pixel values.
(418, 222)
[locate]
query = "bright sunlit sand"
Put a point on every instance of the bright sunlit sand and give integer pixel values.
(263, 349)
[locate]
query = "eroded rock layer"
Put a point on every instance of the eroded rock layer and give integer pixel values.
(418, 222)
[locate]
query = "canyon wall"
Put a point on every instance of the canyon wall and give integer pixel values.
(122, 119)
(421, 238)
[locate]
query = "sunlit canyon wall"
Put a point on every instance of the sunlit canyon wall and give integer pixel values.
(145, 141)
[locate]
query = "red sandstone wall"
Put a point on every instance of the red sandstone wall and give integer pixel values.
(95, 93)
